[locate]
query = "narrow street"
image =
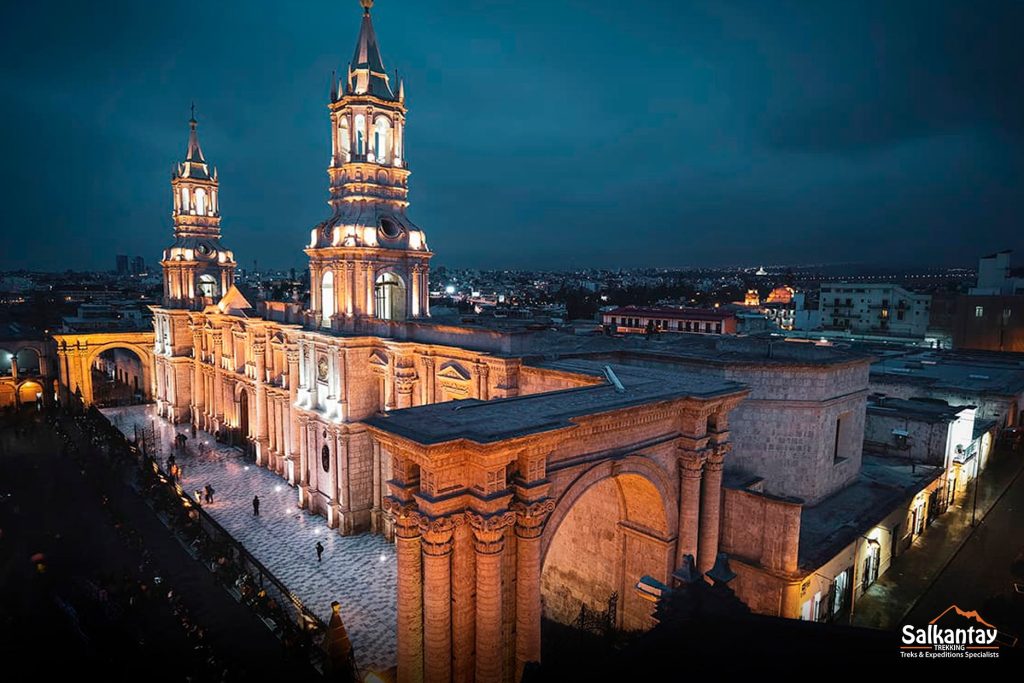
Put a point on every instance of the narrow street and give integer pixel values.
(978, 577)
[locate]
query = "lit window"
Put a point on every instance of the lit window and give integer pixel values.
(979, 311)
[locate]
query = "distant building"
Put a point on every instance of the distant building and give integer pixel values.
(752, 298)
(996, 276)
(122, 264)
(633, 319)
(138, 266)
(991, 316)
(931, 432)
(993, 383)
(869, 308)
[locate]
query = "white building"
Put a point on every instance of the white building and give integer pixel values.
(874, 308)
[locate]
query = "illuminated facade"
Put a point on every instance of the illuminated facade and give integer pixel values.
(516, 479)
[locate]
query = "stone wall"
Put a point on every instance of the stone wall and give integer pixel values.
(926, 441)
(1003, 409)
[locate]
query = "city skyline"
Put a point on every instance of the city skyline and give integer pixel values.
(649, 132)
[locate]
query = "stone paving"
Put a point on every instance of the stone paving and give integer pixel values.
(358, 571)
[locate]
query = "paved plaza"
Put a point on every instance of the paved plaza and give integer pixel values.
(357, 571)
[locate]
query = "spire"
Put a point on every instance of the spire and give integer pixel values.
(195, 164)
(367, 65)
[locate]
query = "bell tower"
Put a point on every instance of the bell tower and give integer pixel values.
(198, 270)
(368, 261)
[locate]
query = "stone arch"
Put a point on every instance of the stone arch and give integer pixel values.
(245, 407)
(93, 351)
(612, 525)
(28, 392)
(390, 295)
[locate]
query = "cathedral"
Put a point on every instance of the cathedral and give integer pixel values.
(521, 474)
(436, 436)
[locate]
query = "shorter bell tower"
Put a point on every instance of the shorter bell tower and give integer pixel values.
(198, 270)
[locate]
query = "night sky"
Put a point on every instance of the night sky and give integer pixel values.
(541, 134)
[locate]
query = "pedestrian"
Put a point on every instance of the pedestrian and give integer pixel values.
(209, 493)
(256, 506)
(193, 431)
(170, 462)
(199, 497)
(319, 551)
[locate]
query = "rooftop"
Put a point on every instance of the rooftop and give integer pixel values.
(883, 484)
(487, 422)
(671, 313)
(918, 409)
(961, 371)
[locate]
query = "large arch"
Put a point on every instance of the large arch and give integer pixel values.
(613, 525)
(76, 354)
(145, 360)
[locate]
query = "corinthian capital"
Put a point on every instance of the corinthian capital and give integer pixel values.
(489, 530)
(530, 517)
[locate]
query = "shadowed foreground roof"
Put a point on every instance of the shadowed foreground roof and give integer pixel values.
(496, 420)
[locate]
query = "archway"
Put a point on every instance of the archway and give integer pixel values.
(243, 415)
(6, 366)
(30, 393)
(609, 530)
(118, 377)
(389, 297)
(27, 359)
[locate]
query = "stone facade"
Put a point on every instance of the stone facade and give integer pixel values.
(28, 369)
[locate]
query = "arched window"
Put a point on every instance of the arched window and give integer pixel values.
(327, 297)
(207, 286)
(184, 200)
(344, 139)
(200, 201)
(389, 297)
(325, 458)
(382, 139)
(360, 132)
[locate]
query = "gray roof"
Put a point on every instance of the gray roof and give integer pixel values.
(487, 422)
(840, 519)
(964, 372)
(918, 409)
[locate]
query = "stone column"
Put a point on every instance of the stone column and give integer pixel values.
(711, 509)
(489, 537)
(262, 440)
(303, 479)
(198, 400)
(414, 293)
(437, 607)
(484, 390)
(690, 465)
(428, 380)
(292, 442)
(530, 518)
(370, 310)
(218, 399)
(14, 367)
(410, 590)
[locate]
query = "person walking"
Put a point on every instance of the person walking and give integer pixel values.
(209, 493)
(193, 431)
(256, 506)
(199, 497)
(319, 551)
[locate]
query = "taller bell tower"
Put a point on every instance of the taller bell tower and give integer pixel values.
(368, 261)
(198, 270)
